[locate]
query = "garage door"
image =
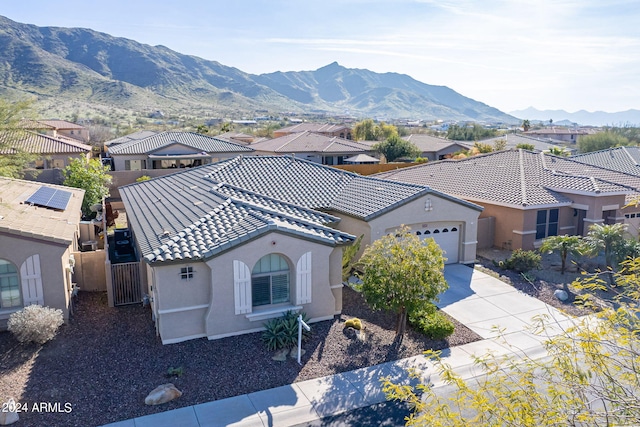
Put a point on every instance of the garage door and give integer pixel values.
(447, 236)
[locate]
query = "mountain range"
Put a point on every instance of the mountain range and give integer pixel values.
(582, 117)
(87, 66)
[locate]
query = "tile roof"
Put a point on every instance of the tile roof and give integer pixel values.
(198, 212)
(20, 219)
(429, 143)
(539, 144)
(187, 216)
(37, 143)
(556, 131)
(309, 142)
(198, 141)
(516, 178)
(136, 136)
(621, 159)
(60, 124)
(313, 127)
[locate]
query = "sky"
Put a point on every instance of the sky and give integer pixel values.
(552, 55)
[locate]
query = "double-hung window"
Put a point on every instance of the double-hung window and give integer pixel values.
(270, 281)
(546, 223)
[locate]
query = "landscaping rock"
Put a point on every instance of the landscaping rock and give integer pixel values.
(162, 394)
(561, 294)
(281, 355)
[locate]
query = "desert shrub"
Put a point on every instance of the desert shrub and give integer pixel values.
(282, 332)
(432, 323)
(522, 261)
(35, 323)
(354, 323)
(143, 178)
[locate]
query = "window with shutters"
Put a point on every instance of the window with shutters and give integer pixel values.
(270, 281)
(9, 285)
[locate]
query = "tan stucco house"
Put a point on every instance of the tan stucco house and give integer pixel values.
(38, 232)
(315, 147)
(52, 152)
(170, 150)
(528, 196)
(231, 244)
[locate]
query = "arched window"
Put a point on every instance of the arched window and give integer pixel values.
(270, 281)
(9, 285)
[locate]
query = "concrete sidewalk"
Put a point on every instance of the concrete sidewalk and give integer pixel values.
(474, 298)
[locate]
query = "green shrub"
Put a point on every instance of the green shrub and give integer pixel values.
(522, 261)
(35, 323)
(282, 332)
(432, 323)
(143, 178)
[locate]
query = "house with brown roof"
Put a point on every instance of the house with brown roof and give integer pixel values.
(315, 147)
(558, 134)
(56, 127)
(228, 245)
(339, 131)
(528, 196)
(38, 233)
(53, 152)
(434, 148)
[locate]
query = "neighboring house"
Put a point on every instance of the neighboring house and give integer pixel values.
(528, 196)
(620, 159)
(167, 150)
(52, 152)
(339, 131)
(136, 136)
(315, 147)
(231, 244)
(239, 137)
(512, 141)
(38, 232)
(57, 128)
(558, 134)
(434, 148)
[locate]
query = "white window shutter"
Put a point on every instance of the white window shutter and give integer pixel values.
(242, 287)
(303, 279)
(31, 281)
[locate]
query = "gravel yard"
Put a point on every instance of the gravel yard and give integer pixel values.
(106, 360)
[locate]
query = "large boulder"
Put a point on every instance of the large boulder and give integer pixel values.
(162, 394)
(561, 294)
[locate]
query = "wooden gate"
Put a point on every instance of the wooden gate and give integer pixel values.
(125, 279)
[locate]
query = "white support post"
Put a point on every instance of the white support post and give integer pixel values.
(301, 324)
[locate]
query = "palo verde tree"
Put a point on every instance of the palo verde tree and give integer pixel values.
(403, 274)
(590, 376)
(395, 147)
(368, 130)
(92, 177)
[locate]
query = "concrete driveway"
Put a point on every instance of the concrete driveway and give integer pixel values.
(487, 305)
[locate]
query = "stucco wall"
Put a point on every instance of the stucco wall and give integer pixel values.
(53, 261)
(442, 210)
(205, 306)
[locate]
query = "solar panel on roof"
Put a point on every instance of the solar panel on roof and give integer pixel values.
(50, 198)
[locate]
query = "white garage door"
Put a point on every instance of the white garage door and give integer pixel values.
(446, 235)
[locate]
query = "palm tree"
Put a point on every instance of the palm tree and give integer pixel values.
(564, 245)
(526, 125)
(608, 238)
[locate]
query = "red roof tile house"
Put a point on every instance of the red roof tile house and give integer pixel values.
(528, 196)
